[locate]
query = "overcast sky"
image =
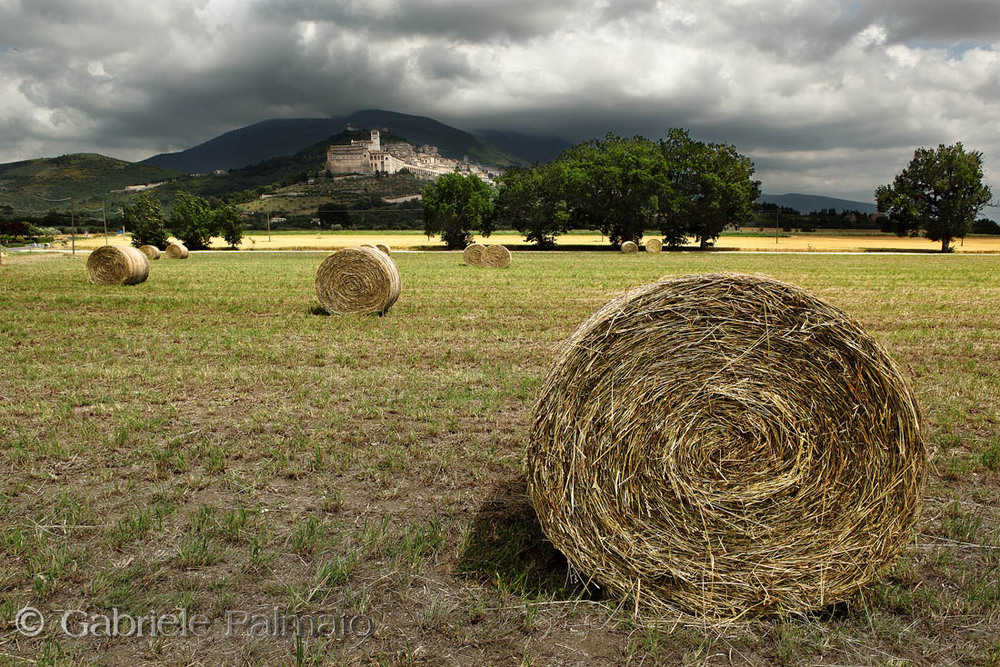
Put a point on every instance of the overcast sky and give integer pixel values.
(827, 96)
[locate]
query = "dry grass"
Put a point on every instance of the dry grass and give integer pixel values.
(376, 465)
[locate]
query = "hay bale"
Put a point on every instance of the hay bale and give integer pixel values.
(177, 250)
(629, 247)
(725, 446)
(473, 254)
(150, 251)
(384, 248)
(654, 245)
(496, 256)
(117, 265)
(357, 281)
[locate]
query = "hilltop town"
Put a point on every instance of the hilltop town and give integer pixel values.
(370, 157)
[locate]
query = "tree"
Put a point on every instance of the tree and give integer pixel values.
(192, 221)
(618, 186)
(228, 221)
(715, 188)
(455, 206)
(143, 216)
(939, 193)
(531, 201)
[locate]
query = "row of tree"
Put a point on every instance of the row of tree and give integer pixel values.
(193, 220)
(619, 186)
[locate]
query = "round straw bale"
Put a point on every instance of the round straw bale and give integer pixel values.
(384, 248)
(357, 281)
(654, 245)
(117, 265)
(725, 446)
(150, 251)
(629, 247)
(496, 256)
(473, 254)
(177, 250)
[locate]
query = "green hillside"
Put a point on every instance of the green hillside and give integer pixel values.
(88, 178)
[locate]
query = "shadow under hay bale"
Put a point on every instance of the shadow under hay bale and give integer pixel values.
(726, 446)
(506, 544)
(473, 254)
(357, 281)
(117, 265)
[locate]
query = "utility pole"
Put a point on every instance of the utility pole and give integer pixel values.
(777, 214)
(104, 214)
(72, 222)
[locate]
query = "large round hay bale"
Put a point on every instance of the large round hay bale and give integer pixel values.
(177, 250)
(384, 248)
(357, 281)
(654, 245)
(629, 247)
(473, 254)
(117, 265)
(150, 251)
(726, 445)
(496, 256)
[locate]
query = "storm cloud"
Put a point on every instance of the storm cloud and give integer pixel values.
(828, 96)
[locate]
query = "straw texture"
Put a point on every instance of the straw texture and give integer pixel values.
(357, 281)
(177, 251)
(629, 247)
(117, 265)
(654, 245)
(725, 446)
(496, 256)
(150, 251)
(473, 254)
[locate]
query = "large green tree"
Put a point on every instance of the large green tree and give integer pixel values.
(714, 185)
(939, 193)
(143, 217)
(616, 185)
(228, 222)
(532, 202)
(192, 221)
(457, 205)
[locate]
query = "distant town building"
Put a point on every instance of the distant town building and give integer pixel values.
(369, 157)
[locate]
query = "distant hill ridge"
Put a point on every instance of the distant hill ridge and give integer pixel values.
(808, 203)
(283, 137)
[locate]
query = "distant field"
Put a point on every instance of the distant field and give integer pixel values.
(787, 242)
(203, 441)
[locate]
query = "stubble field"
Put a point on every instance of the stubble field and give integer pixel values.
(206, 443)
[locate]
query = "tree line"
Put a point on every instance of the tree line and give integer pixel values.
(684, 188)
(193, 219)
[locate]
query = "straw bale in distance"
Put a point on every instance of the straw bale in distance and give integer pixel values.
(177, 250)
(473, 254)
(726, 446)
(117, 265)
(629, 247)
(496, 256)
(384, 248)
(654, 245)
(150, 251)
(357, 281)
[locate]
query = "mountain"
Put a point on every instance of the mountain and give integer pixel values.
(249, 145)
(809, 203)
(31, 186)
(284, 137)
(527, 147)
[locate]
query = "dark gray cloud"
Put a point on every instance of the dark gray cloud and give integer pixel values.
(830, 96)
